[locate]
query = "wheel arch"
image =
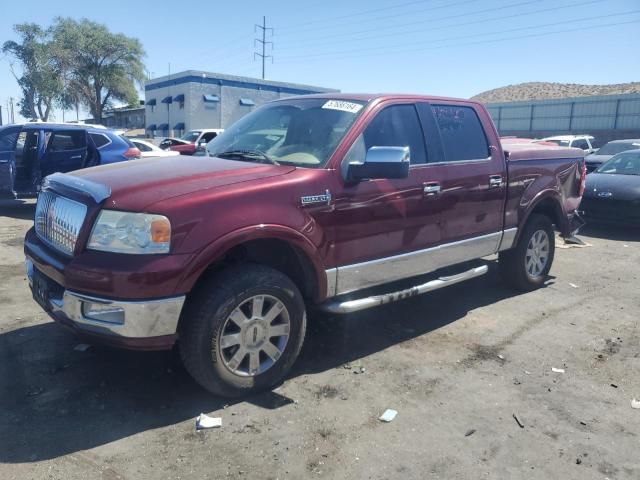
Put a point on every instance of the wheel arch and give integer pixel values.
(549, 204)
(276, 246)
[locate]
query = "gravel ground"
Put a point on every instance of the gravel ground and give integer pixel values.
(459, 365)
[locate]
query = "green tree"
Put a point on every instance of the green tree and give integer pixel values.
(99, 66)
(38, 76)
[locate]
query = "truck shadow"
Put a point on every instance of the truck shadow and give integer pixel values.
(56, 400)
(21, 209)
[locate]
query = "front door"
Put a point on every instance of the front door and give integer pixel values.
(66, 150)
(8, 138)
(374, 222)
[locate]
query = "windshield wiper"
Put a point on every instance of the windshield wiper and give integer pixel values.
(247, 154)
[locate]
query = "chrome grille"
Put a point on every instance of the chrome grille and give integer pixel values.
(58, 221)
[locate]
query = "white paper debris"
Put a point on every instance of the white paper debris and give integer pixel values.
(573, 285)
(635, 403)
(557, 370)
(501, 357)
(205, 421)
(388, 415)
(82, 347)
(527, 372)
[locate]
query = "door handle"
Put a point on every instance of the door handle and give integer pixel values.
(495, 181)
(75, 157)
(431, 188)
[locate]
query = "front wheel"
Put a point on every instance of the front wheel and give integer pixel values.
(242, 330)
(527, 265)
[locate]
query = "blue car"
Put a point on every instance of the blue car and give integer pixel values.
(31, 151)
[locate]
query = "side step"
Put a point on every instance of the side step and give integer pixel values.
(349, 306)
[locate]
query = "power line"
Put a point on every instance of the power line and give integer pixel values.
(461, 37)
(263, 42)
(422, 49)
(439, 27)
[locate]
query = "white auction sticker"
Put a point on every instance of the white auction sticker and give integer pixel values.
(343, 106)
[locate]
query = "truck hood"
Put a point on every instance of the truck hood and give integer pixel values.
(136, 184)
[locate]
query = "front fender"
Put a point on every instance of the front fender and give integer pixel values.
(219, 247)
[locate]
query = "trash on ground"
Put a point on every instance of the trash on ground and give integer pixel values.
(388, 415)
(635, 403)
(527, 372)
(205, 421)
(37, 391)
(82, 347)
(470, 432)
(573, 285)
(613, 385)
(520, 424)
(578, 461)
(557, 370)
(501, 357)
(583, 423)
(359, 370)
(572, 242)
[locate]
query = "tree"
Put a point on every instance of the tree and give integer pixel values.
(99, 66)
(39, 79)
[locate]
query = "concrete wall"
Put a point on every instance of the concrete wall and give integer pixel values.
(607, 117)
(198, 113)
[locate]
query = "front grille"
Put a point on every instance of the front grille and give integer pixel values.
(58, 221)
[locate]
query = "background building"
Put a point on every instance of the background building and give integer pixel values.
(196, 99)
(606, 117)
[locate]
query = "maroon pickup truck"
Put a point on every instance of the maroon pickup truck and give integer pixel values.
(343, 202)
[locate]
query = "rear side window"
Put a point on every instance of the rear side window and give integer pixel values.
(581, 143)
(462, 134)
(99, 139)
(128, 142)
(8, 139)
(142, 147)
(207, 137)
(62, 141)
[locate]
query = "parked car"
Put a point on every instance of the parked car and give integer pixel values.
(148, 149)
(609, 150)
(583, 142)
(196, 139)
(169, 142)
(612, 193)
(322, 200)
(31, 151)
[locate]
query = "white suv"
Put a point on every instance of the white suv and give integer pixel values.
(583, 142)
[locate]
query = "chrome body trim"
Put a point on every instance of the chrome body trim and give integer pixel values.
(58, 221)
(97, 191)
(355, 277)
(508, 239)
(332, 281)
(130, 319)
(349, 306)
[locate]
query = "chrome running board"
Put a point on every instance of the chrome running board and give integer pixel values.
(349, 306)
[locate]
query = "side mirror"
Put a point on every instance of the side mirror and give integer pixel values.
(381, 162)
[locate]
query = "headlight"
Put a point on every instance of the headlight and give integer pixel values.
(124, 232)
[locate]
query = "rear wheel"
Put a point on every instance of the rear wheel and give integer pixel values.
(242, 331)
(527, 265)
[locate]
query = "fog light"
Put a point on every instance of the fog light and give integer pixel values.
(103, 312)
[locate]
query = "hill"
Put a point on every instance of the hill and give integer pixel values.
(547, 90)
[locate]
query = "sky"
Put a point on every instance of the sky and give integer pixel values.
(452, 48)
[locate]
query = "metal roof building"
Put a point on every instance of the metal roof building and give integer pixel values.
(607, 117)
(196, 99)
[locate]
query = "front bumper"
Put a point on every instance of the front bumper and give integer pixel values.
(142, 325)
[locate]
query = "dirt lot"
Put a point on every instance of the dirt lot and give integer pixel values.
(457, 364)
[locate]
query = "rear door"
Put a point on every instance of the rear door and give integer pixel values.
(8, 137)
(473, 184)
(65, 150)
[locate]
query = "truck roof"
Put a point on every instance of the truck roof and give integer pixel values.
(367, 97)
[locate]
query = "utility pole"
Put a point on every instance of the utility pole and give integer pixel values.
(263, 42)
(13, 120)
(0, 115)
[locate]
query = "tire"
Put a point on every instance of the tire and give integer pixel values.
(527, 265)
(212, 342)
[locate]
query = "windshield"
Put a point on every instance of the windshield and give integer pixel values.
(612, 148)
(301, 132)
(191, 136)
(627, 163)
(560, 143)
